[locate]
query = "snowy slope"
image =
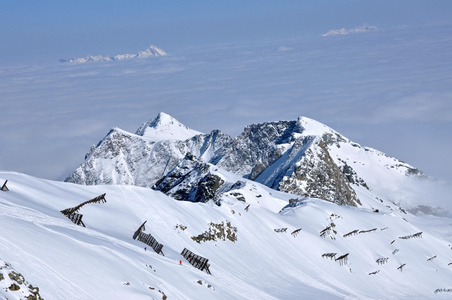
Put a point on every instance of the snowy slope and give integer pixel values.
(101, 261)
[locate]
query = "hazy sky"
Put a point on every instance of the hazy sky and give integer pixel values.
(229, 64)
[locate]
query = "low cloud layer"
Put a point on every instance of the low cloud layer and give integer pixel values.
(395, 97)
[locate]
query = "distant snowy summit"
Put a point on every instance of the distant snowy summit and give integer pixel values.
(165, 127)
(150, 51)
(363, 28)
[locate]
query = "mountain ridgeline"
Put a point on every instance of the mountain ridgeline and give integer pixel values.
(301, 157)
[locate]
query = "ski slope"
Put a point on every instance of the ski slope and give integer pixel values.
(102, 261)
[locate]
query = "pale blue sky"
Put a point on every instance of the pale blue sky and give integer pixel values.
(230, 64)
(44, 29)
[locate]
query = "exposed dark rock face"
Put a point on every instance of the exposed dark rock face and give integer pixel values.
(351, 175)
(256, 148)
(191, 181)
(316, 175)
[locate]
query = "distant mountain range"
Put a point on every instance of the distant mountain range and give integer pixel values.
(150, 51)
(363, 28)
(302, 157)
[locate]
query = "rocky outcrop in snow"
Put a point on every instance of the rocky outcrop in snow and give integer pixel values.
(191, 180)
(14, 286)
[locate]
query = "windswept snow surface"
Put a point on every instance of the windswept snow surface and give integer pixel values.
(102, 261)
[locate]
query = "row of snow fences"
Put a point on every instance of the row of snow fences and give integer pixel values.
(341, 259)
(443, 291)
(75, 217)
(4, 187)
(196, 261)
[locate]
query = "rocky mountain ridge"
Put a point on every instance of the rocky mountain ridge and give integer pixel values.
(302, 157)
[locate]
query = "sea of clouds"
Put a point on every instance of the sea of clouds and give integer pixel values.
(388, 89)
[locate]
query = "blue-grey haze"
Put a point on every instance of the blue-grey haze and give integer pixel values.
(390, 89)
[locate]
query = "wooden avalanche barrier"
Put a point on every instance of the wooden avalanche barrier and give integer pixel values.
(4, 187)
(401, 267)
(148, 239)
(342, 259)
(416, 235)
(382, 261)
(295, 232)
(196, 260)
(329, 255)
(75, 217)
(354, 232)
(69, 211)
(366, 231)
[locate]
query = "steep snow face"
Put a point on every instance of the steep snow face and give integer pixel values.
(261, 244)
(208, 146)
(310, 127)
(165, 127)
(125, 158)
(371, 171)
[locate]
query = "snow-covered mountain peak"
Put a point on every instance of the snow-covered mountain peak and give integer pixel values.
(165, 127)
(310, 127)
(313, 127)
(151, 51)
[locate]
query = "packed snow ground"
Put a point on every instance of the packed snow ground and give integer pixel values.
(102, 261)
